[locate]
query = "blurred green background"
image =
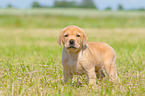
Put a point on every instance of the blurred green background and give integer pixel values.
(61, 13)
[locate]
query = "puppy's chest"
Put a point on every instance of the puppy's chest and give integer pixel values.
(75, 67)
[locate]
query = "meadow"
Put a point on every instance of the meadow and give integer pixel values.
(61, 17)
(30, 58)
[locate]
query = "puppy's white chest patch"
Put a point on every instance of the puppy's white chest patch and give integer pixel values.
(75, 67)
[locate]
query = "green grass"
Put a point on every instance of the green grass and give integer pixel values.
(78, 12)
(59, 18)
(30, 63)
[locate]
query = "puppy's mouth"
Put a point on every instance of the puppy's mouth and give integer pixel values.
(71, 47)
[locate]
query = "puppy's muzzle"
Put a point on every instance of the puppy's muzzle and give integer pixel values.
(71, 43)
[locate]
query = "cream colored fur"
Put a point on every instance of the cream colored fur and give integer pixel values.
(88, 58)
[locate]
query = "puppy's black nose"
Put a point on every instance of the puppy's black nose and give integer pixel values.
(71, 42)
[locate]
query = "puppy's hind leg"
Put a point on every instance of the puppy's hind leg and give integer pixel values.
(110, 68)
(100, 74)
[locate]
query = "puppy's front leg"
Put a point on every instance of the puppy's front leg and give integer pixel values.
(91, 76)
(67, 77)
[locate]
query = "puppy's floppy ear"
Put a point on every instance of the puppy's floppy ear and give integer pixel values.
(59, 40)
(85, 39)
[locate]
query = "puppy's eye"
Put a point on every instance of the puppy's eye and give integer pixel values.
(78, 35)
(65, 35)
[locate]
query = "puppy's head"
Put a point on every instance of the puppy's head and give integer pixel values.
(72, 38)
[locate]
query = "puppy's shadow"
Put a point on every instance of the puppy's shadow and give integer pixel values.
(77, 84)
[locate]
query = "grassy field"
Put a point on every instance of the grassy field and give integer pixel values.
(30, 58)
(59, 18)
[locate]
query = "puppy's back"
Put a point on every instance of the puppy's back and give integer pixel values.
(101, 52)
(101, 47)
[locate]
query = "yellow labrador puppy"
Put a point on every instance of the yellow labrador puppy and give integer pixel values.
(80, 57)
